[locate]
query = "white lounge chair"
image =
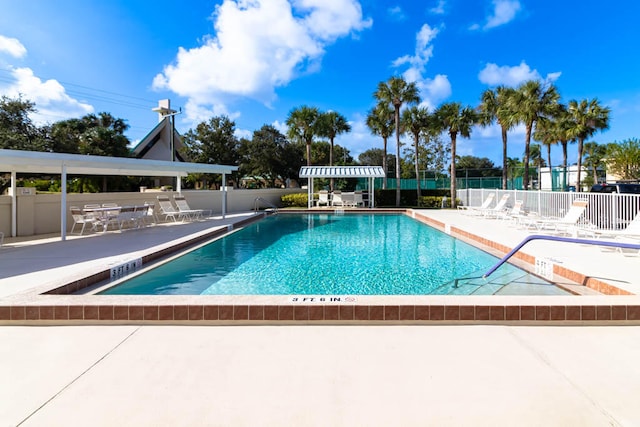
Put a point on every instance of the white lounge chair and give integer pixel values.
(336, 198)
(167, 209)
(498, 209)
(357, 199)
(511, 214)
(185, 209)
(323, 198)
(631, 234)
(475, 209)
(569, 222)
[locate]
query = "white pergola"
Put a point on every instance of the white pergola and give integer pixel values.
(16, 161)
(370, 172)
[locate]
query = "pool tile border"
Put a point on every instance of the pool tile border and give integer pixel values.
(54, 306)
(348, 314)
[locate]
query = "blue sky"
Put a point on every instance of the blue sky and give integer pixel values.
(255, 60)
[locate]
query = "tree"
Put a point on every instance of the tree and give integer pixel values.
(303, 124)
(623, 159)
(477, 166)
(262, 155)
(395, 92)
(17, 130)
(535, 156)
(213, 142)
(455, 119)
(588, 117)
(593, 159)
(416, 120)
(372, 157)
(330, 125)
(496, 106)
(531, 101)
(380, 121)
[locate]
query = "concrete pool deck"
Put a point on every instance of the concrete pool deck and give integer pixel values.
(441, 374)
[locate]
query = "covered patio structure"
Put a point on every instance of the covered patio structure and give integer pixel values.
(17, 161)
(369, 172)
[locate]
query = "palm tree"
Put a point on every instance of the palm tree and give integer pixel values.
(531, 101)
(395, 92)
(496, 106)
(380, 122)
(593, 156)
(302, 123)
(330, 125)
(416, 120)
(535, 154)
(455, 119)
(545, 133)
(587, 118)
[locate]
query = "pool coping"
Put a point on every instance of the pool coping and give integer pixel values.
(57, 306)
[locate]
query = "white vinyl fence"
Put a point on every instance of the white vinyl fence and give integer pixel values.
(604, 210)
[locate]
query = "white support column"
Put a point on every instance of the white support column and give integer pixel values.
(224, 195)
(371, 192)
(179, 184)
(63, 203)
(14, 204)
(310, 193)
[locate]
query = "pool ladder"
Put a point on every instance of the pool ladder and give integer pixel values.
(256, 204)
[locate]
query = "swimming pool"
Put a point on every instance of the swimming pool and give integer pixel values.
(324, 254)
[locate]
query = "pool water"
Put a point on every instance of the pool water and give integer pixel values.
(324, 255)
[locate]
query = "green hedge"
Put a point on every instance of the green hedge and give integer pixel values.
(387, 198)
(297, 200)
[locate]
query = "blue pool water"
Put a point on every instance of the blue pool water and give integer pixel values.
(321, 255)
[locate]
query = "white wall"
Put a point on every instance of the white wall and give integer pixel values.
(40, 213)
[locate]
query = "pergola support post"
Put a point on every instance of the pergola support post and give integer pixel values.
(14, 204)
(63, 203)
(224, 195)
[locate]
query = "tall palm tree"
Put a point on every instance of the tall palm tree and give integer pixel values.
(594, 154)
(380, 121)
(588, 117)
(416, 121)
(330, 125)
(531, 101)
(302, 123)
(455, 119)
(496, 106)
(395, 92)
(545, 133)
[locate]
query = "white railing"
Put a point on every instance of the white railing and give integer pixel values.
(604, 210)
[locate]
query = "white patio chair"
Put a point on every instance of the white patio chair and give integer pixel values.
(323, 198)
(167, 209)
(476, 209)
(80, 217)
(569, 222)
(357, 199)
(498, 209)
(336, 198)
(185, 209)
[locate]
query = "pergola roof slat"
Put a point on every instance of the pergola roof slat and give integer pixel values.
(341, 172)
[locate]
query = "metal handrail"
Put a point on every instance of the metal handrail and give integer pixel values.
(266, 202)
(559, 239)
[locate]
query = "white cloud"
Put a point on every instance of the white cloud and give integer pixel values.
(12, 46)
(439, 8)
(50, 97)
(396, 13)
(494, 75)
(432, 90)
(258, 46)
(281, 126)
(504, 11)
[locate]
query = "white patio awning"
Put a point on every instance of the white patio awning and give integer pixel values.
(18, 161)
(341, 172)
(78, 164)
